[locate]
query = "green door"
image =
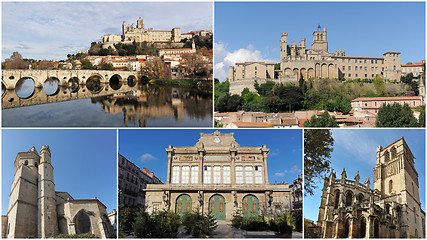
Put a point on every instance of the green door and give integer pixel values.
(250, 206)
(217, 207)
(183, 204)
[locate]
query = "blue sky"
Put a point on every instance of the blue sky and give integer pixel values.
(251, 31)
(356, 150)
(84, 161)
(51, 30)
(146, 148)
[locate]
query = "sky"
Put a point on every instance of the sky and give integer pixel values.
(51, 30)
(355, 150)
(84, 161)
(146, 148)
(251, 31)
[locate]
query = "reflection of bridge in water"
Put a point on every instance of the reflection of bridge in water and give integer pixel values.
(72, 85)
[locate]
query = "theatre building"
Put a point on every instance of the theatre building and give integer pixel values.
(218, 176)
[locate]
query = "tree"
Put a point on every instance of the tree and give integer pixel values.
(86, 64)
(221, 88)
(318, 145)
(229, 103)
(154, 68)
(396, 115)
(379, 85)
(45, 64)
(265, 88)
(277, 66)
(196, 64)
(422, 118)
(15, 62)
(126, 218)
(323, 121)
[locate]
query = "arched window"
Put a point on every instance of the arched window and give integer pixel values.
(390, 186)
(26, 163)
(360, 198)
(348, 198)
(362, 228)
(337, 199)
(386, 156)
(83, 223)
(393, 152)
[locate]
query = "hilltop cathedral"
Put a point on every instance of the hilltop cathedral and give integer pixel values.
(218, 176)
(37, 210)
(351, 209)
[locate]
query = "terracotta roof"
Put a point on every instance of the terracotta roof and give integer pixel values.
(251, 124)
(301, 122)
(349, 120)
(391, 52)
(386, 98)
(351, 111)
(414, 64)
(289, 121)
(221, 114)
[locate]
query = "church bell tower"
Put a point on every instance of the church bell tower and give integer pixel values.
(47, 222)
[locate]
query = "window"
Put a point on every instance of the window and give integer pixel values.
(26, 163)
(365, 60)
(226, 175)
(248, 174)
(349, 60)
(355, 60)
(185, 174)
(366, 75)
(372, 68)
(349, 67)
(195, 174)
(239, 175)
(355, 68)
(343, 67)
(175, 174)
(366, 69)
(390, 186)
(207, 175)
(349, 74)
(356, 74)
(258, 175)
(217, 175)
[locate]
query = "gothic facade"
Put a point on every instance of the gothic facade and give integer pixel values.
(37, 210)
(220, 177)
(351, 209)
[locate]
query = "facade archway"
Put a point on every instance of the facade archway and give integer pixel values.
(183, 204)
(217, 207)
(288, 72)
(317, 70)
(324, 72)
(337, 199)
(348, 199)
(386, 156)
(304, 73)
(376, 228)
(296, 72)
(331, 71)
(310, 73)
(250, 206)
(82, 222)
(346, 228)
(362, 229)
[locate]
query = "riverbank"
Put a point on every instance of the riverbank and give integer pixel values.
(201, 84)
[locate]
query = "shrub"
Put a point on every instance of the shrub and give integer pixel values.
(199, 225)
(162, 224)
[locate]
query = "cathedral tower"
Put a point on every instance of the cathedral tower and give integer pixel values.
(396, 178)
(319, 41)
(47, 216)
(22, 211)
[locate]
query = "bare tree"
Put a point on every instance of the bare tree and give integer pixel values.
(154, 68)
(15, 62)
(197, 64)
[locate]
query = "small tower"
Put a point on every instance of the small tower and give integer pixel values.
(193, 46)
(283, 46)
(47, 222)
(422, 91)
(319, 40)
(140, 23)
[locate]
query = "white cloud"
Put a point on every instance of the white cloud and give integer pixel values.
(294, 169)
(47, 27)
(147, 157)
(360, 144)
(225, 58)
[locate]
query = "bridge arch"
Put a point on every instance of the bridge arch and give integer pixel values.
(25, 87)
(73, 84)
(51, 86)
(115, 82)
(94, 83)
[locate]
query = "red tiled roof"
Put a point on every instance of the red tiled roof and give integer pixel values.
(301, 122)
(414, 64)
(251, 124)
(385, 98)
(289, 121)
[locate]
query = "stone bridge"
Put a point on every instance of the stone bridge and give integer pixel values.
(65, 77)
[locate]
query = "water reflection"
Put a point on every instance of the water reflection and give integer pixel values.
(73, 84)
(51, 86)
(142, 105)
(25, 87)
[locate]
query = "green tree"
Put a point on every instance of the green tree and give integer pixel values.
(379, 85)
(199, 225)
(86, 64)
(318, 145)
(161, 224)
(396, 115)
(422, 118)
(277, 66)
(126, 218)
(221, 88)
(265, 88)
(229, 103)
(323, 121)
(245, 91)
(108, 66)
